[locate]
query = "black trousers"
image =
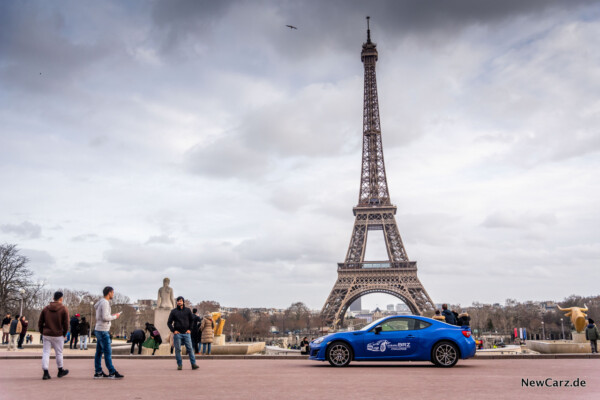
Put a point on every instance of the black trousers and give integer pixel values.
(74, 338)
(139, 343)
(21, 338)
(196, 344)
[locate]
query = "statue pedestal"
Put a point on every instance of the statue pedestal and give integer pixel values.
(579, 337)
(219, 340)
(161, 316)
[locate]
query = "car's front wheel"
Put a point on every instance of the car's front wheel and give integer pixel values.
(444, 354)
(339, 354)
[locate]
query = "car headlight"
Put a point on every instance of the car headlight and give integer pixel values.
(319, 340)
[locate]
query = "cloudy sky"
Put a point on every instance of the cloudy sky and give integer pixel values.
(207, 142)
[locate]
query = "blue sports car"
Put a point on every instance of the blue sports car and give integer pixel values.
(397, 338)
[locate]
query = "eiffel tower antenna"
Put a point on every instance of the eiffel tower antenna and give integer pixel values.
(397, 275)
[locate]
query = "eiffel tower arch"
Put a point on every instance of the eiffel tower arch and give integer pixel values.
(357, 277)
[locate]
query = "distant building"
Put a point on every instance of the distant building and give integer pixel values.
(367, 317)
(401, 307)
(145, 304)
(377, 314)
(390, 307)
(357, 305)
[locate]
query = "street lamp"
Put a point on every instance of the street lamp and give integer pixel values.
(563, 328)
(22, 291)
(543, 332)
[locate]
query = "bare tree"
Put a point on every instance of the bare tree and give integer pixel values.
(207, 307)
(14, 276)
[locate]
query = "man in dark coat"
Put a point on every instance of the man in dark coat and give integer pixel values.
(84, 333)
(24, 326)
(180, 323)
(74, 331)
(592, 334)
(449, 315)
(196, 331)
(137, 337)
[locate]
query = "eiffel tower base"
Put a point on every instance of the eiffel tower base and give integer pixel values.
(351, 284)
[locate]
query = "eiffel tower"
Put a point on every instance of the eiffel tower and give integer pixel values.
(356, 277)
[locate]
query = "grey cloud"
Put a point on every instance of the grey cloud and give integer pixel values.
(25, 229)
(154, 258)
(37, 54)
(323, 26)
(504, 219)
(227, 157)
(161, 239)
(39, 257)
(84, 237)
(185, 21)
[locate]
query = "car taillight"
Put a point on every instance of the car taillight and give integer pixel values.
(466, 333)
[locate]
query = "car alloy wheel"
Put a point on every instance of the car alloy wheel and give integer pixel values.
(339, 354)
(445, 354)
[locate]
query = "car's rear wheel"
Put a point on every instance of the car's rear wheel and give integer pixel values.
(339, 354)
(444, 354)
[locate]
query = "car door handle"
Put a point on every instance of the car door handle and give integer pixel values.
(410, 336)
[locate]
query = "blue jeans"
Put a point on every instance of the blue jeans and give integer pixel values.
(206, 348)
(103, 347)
(187, 341)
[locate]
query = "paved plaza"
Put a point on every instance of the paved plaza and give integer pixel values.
(302, 379)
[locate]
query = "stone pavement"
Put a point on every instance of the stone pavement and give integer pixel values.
(302, 379)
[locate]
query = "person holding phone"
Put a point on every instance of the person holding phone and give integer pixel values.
(102, 331)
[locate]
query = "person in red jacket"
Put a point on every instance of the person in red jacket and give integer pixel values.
(53, 325)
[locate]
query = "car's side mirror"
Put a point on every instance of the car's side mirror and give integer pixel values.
(377, 330)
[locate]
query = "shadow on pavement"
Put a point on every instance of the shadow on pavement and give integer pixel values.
(388, 365)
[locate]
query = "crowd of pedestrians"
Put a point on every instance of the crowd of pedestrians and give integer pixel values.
(56, 329)
(452, 317)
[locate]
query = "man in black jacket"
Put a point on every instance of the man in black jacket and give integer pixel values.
(84, 332)
(196, 335)
(180, 323)
(74, 330)
(449, 315)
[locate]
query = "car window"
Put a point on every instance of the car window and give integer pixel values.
(420, 324)
(398, 324)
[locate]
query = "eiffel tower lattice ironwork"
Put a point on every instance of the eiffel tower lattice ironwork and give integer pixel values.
(356, 277)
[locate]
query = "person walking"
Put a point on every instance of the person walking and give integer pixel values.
(24, 325)
(448, 315)
(180, 324)
(137, 337)
(53, 325)
(102, 332)
(208, 333)
(84, 334)
(6, 328)
(592, 334)
(74, 331)
(196, 336)
(14, 332)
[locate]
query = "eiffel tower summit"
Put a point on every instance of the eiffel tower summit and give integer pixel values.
(357, 277)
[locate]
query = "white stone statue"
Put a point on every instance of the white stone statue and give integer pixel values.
(165, 296)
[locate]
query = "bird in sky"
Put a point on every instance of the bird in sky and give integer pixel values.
(291, 27)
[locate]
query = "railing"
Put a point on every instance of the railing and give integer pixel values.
(379, 265)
